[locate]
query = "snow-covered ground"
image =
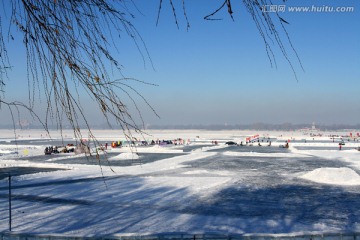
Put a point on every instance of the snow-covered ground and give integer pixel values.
(310, 187)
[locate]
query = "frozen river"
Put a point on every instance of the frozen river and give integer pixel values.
(205, 188)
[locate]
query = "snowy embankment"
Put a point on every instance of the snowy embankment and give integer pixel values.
(20, 150)
(216, 147)
(324, 144)
(335, 176)
(125, 156)
(20, 163)
(338, 176)
(257, 154)
(147, 149)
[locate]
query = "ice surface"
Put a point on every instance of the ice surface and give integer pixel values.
(194, 188)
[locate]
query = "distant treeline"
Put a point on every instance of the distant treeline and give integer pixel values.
(257, 126)
(253, 126)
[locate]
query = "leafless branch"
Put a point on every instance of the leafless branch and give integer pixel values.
(70, 47)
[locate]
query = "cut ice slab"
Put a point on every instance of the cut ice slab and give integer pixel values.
(337, 176)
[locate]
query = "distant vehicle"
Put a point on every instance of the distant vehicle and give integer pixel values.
(231, 143)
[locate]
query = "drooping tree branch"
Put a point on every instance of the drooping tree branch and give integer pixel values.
(270, 26)
(70, 48)
(225, 3)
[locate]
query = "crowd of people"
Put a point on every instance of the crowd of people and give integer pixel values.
(59, 149)
(178, 141)
(118, 144)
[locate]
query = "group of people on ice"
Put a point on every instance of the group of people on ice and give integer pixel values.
(50, 150)
(247, 143)
(56, 149)
(119, 144)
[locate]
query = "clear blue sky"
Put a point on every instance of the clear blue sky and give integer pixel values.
(218, 71)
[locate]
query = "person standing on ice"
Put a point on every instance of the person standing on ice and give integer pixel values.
(340, 146)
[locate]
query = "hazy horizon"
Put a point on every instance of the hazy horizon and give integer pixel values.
(218, 72)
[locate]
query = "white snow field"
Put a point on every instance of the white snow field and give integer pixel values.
(311, 187)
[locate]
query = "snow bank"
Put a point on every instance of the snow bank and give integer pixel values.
(64, 156)
(7, 152)
(256, 154)
(204, 149)
(196, 172)
(148, 149)
(24, 163)
(125, 156)
(338, 176)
